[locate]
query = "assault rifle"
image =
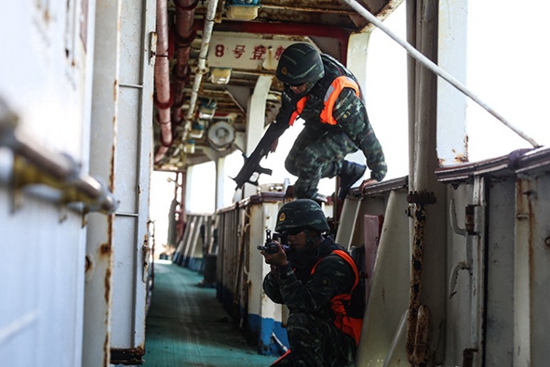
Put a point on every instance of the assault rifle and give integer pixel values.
(270, 247)
(252, 163)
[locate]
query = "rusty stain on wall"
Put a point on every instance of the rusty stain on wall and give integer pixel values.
(461, 158)
(115, 91)
(105, 249)
(108, 285)
(112, 163)
(89, 265)
(128, 356)
(106, 349)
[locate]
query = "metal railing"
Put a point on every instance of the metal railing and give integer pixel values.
(34, 164)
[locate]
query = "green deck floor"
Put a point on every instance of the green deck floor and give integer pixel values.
(187, 326)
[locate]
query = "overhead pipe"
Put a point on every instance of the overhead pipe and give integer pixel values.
(437, 70)
(160, 153)
(185, 34)
(35, 164)
(163, 98)
(201, 67)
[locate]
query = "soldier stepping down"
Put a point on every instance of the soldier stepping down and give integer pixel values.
(327, 96)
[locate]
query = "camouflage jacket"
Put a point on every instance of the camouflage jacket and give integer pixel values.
(349, 112)
(294, 285)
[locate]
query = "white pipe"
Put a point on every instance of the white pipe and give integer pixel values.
(201, 69)
(436, 69)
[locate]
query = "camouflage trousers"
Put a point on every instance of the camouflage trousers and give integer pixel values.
(316, 153)
(314, 342)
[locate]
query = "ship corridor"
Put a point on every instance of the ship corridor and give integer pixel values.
(187, 325)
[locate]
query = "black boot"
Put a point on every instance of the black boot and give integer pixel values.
(349, 174)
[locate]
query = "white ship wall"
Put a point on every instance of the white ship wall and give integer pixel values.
(45, 81)
(75, 160)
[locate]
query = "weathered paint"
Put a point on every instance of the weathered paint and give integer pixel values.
(415, 329)
(130, 356)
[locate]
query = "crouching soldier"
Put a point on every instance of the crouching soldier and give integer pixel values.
(314, 278)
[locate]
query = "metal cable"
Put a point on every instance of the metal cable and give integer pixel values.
(436, 69)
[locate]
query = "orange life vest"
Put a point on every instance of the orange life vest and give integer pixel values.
(331, 95)
(349, 325)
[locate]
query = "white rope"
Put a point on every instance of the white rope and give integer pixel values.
(436, 69)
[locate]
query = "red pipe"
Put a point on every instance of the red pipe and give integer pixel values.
(163, 100)
(184, 35)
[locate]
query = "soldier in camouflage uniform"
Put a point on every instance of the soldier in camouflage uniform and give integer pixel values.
(307, 278)
(326, 95)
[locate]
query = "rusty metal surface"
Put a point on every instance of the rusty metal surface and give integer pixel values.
(129, 356)
(413, 326)
(533, 160)
(517, 161)
(401, 183)
(531, 255)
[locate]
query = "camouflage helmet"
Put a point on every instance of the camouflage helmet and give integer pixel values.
(301, 213)
(300, 63)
